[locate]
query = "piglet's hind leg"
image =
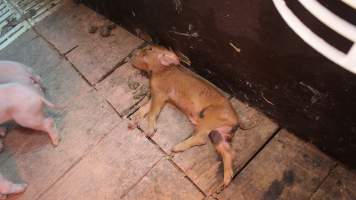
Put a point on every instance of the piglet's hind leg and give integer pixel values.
(197, 139)
(38, 122)
(50, 128)
(222, 144)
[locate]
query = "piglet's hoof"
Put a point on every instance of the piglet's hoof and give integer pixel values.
(228, 175)
(132, 125)
(56, 140)
(150, 133)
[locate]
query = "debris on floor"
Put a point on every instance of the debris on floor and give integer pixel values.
(92, 29)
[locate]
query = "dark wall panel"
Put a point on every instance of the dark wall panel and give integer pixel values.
(275, 70)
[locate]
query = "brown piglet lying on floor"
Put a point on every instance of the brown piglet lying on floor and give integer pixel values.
(210, 112)
(7, 187)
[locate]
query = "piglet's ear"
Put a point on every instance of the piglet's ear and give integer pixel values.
(167, 59)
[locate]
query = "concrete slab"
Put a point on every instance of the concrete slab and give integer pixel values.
(287, 168)
(164, 182)
(64, 85)
(94, 56)
(124, 88)
(31, 50)
(115, 165)
(97, 57)
(340, 184)
(64, 28)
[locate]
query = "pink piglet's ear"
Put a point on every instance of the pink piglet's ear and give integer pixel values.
(167, 59)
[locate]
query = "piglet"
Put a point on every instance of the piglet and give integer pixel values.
(11, 72)
(14, 72)
(7, 187)
(24, 105)
(209, 110)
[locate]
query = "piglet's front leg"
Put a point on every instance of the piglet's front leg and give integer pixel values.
(140, 114)
(7, 187)
(157, 104)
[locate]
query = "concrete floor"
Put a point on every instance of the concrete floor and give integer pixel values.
(99, 158)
